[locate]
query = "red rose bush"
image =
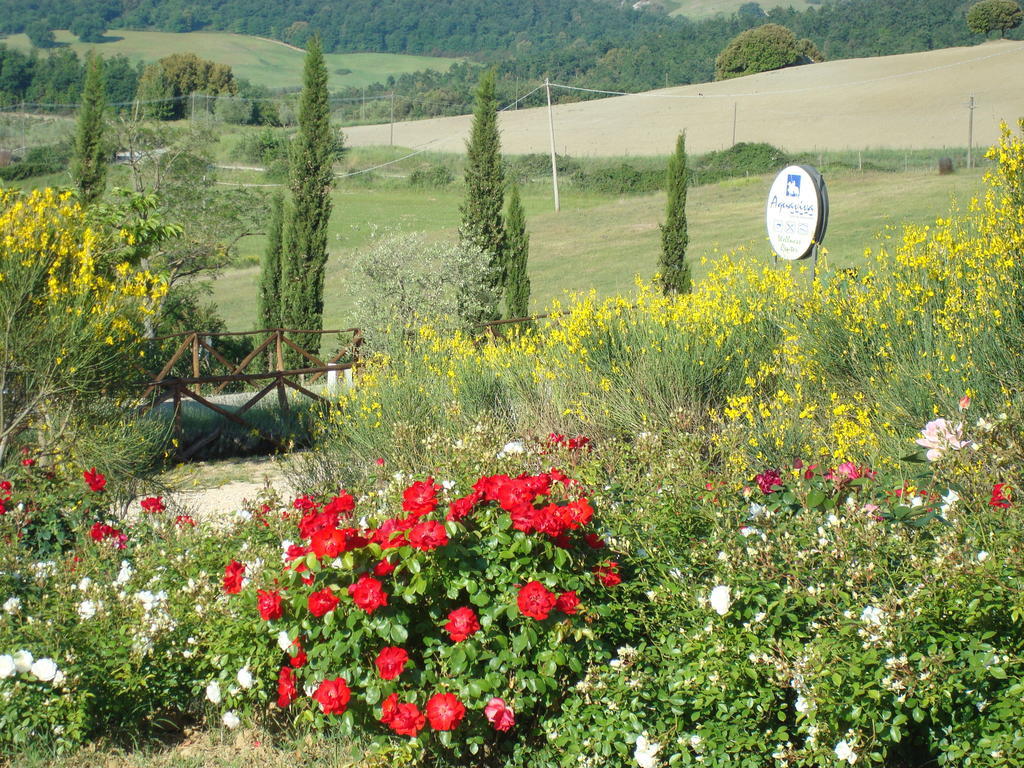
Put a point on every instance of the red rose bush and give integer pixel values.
(450, 621)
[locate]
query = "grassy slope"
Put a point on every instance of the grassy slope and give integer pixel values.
(266, 62)
(914, 100)
(601, 243)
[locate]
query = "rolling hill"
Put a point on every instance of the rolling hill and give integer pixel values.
(914, 100)
(270, 63)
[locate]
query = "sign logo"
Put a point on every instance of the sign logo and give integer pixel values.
(797, 212)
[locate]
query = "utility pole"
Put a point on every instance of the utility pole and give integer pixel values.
(734, 124)
(551, 132)
(392, 118)
(362, 107)
(970, 134)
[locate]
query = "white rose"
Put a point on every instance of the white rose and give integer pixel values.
(982, 556)
(12, 604)
(87, 609)
(283, 641)
(245, 677)
(845, 752)
(213, 693)
(59, 678)
(720, 599)
(6, 666)
(84, 584)
(230, 719)
(646, 752)
(44, 669)
(23, 661)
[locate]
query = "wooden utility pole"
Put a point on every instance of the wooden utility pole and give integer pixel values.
(551, 132)
(970, 133)
(734, 124)
(392, 118)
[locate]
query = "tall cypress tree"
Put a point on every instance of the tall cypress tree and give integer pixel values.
(311, 178)
(270, 268)
(517, 252)
(482, 224)
(675, 271)
(89, 164)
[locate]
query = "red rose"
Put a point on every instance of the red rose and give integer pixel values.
(421, 498)
(608, 575)
(306, 504)
(567, 603)
(524, 518)
(102, 532)
(444, 711)
(183, 520)
(459, 508)
(1000, 498)
(383, 568)
(299, 659)
(269, 603)
(322, 602)
(29, 463)
(403, 719)
(316, 521)
(580, 513)
(428, 535)
(536, 601)
(330, 542)
(233, 577)
(499, 714)
(96, 480)
(390, 534)
(153, 504)
(286, 692)
(768, 481)
(391, 661)
(462, 623)
(341, 504)
(333, 696)
(368, 594)
(594, 541)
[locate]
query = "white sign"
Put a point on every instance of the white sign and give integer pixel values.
(797, 211)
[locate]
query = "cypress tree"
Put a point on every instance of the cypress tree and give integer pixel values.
(675, 271)
(89, 164)
(311, 178)
(270, 268)
(482, 224)
(517, 252)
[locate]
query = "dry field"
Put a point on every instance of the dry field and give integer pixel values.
(914, 100)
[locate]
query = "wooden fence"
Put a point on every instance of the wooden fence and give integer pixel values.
(272, 356)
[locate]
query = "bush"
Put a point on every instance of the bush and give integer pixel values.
(474, 618)
(762, 49)
(403, 281)
(431, 176)
(263, 147)
(742, 159)
(622, 179)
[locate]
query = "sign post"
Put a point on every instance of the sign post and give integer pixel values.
(797, 213)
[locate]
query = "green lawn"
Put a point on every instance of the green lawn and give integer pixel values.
(261, 61)
(601, 242)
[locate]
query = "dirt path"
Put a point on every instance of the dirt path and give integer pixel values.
(211, 490)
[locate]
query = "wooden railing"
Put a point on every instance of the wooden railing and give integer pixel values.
(277, 349)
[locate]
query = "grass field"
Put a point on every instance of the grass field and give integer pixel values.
(601, 243)
(909, 101)
(699, 9)
(266, 62)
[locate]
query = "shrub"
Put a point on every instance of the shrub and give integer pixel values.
(473, 618)
(762, 49)
(620, 180)
(404, 280)
(431, 176)
(742, 159)
(991, 15)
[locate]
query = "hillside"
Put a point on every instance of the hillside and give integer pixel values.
(269, 63)
(907, 101)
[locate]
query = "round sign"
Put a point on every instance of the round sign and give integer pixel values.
(797, 211)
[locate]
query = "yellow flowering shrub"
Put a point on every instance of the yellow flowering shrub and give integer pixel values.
(766, 363)
(68, 317)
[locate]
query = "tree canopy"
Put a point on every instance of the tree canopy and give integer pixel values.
(762, 49)
(994, 15)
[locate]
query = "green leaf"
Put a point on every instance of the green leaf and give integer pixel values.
(399, 633)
